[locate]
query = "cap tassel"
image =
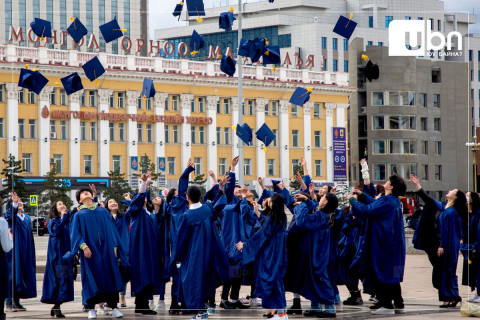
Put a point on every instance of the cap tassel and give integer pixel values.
(74, 25)
(365, 57)
(231, 9)
(42, 37)
(199, 19)
(26, 66)
(194, 52)
(309, 90)
(57, 83)
(351, 16)
(234, 128)
(274, 68)
(95, 75)
(266, 42)
(265, 145)
(219, 56)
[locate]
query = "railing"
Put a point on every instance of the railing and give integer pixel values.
(27, 54)
(116, 62)
(57, 56)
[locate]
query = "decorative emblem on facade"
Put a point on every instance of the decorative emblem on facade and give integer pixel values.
(45, 112)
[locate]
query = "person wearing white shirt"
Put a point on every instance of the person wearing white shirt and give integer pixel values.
(6, 244)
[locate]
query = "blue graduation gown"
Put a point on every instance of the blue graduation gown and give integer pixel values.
(100, 273)
(122, 223)
(202, 257)
(267, 248)
(230, 189)
(348, 244)
(24, 250)
(384, 250)
(144, 252)
(309, 244)
(58, 278)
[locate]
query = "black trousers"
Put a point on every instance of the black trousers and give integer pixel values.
(352, 287)
(234, 284)
(110, 298)
(388, 292)
(2, 308)
(141, 298)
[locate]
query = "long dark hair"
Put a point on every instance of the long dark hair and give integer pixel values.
(278, 209)
(119, 210)
(460, 204)
(53, 212)
(170, 195)
(475, 202)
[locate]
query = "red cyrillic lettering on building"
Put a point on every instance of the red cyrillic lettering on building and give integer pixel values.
(129, 46)
(287, 60)
(213, 54)
(310, 61)
(17, 34)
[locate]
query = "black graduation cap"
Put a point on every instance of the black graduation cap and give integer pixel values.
(41, 28)
(93, 69)
(244, 132)
(275, 185)
(271, 1)
(226, 19)
(178, 10)
(371, 71)
(243, 48)
(345, 26)
(196, 8)
(228, 65)
(111, 30)
(272, 55)
(32, 80)
(196, 43)
(253, 49)
(148, 89)
(300, 96)
(72, 83)
(77, 30)
(265, 135)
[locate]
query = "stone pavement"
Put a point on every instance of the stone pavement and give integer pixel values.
(421, 300)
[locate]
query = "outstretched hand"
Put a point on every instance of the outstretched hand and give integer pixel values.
(190, 163)
(415, 181)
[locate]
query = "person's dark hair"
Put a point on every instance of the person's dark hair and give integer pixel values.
(329, 188)
(475, 202)
(150, 207)
(460, 204)
(362, 198)
(306, 194)
(170, 195)
(399, 186)
(237, 186)
(77, 195)
(278, 208)
(380, 189)
(332, 203)
(194, 193)
(119, 211)
(53, 212)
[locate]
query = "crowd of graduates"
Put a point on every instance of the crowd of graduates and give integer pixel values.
(229, 239)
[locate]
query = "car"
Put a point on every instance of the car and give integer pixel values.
(42, 225)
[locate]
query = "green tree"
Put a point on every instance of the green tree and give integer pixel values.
(145, 166)
(12, 170)
(118, 186)
(294, 184)
(199, 181)
(52, 190)
(342, 192)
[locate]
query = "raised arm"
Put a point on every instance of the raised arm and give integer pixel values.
(365, 174)
(211, 174)
(423, 195)
(183, 181)
(304, 165)
(138, 202)
(303, 186)
(230, 188)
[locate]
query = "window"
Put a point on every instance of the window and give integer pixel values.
(334, 43)
(2, 128)
(271, 167)
(409, 168)
(377, 99)
(370, 43)
(149, 103)
(226, 106)
(63, 98)
(318, 168)
(294, 110)
(379, 172)
(83, 130)
(167, 104)
(370, 21)
(438, 173)
(345, 66)
(379, 147)
(403, 98)
(201, 105)
(436, 100)
(402, 123)
(219, 135)
(267, 107)
(198, 165)
(335, 65)
(274, 108)
(32, 97)
(219, 107)
(425, 172)
(192, 105)
(58, 160)
(53, 97)
(53, 128)
(139, 103)
(121, 132)
(248, 167)
(275, 141)
(174, 103)
(408, 18)
(324, 66)
(87, 165)
(294, 138)
(121, 100)
(380, 44)
(420, 18)
(92, 99)
(222, 166)
(251, 107)
(436, 75)
(172, 166)
(226, 132)
(167, 133)
(194, 134)
(378, 123)
(425, 147)
(32, 128)
(117, 163)
(345, 44)
(93, 131)
(201, 131)
(324, 43)
(244, 111)
(140, 132)
(295, 165)
(2, 93)
(21, 128)
(27, 162)
(317, 111)
(111, 127)
(83, 99)
(175, 134)
(438, 147)
(398, 146)
(432, 24)
(423, 100)
(436, 124)
(318, 138)
(21, 96)
(470, 55)
(111, 101)
(149, 133)
(423, 124)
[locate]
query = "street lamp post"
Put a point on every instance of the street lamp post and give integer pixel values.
(474, 147)
(240, 96)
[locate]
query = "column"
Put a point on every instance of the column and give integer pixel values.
(329, 125)
(261, 156)
(340, 113)
(212, 136)
(132, 131)
(307, 136)
(185, 101)
(74, 159)
(160, 128)
(44, 131)
(12, 120)
(234, 137)
(284, 140)
(103, 134)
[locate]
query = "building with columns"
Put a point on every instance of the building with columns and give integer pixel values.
(99, 129)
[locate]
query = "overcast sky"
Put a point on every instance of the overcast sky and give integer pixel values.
(161, 11)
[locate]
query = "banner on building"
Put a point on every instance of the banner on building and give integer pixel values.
(339, 154)
(134, 163)
(161, 164)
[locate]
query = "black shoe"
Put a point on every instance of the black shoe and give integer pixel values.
(149, 312)
(376, 306)
(324, 314)
(268, 316)
(174, 309)
(311, 313)
(58, 313)
(296, 307)
(239, 305)
(227, 305)
(19, 307)
(355, 299)
(84, 309)
(9, 307)
(123, 305)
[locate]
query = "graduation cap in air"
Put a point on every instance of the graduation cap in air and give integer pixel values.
(228, 65)
(196, 8)
(41, 28)
(265, 135)
(371, 71)
(93, 69)
(72, 83)
(111, 30)
(148, 90)
(253, 49)
(32, 80)
(345, 26)
(196, 43)
(244, 132)
(225, 21)
(275, 185)
(76, 30)
(178, 10)
(300, 96)
(272, 56)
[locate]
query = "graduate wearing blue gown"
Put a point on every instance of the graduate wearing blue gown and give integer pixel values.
(21, 259)
(58, 278)
(6, 244)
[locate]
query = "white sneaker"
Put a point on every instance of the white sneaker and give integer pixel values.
(116, 313)
(472, 299)
(477, 300)
(160, 305)
(151, 305)
(102, 312)
(339, 306)
(277, 317)
(92, 314)
(254, 302)
(383, 311)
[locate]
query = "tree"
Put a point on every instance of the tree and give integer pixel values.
(12, 170)
(118, 186)
(52, 190)
(342, 192)
(145, 166)
(199, 181)
(294, 184)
